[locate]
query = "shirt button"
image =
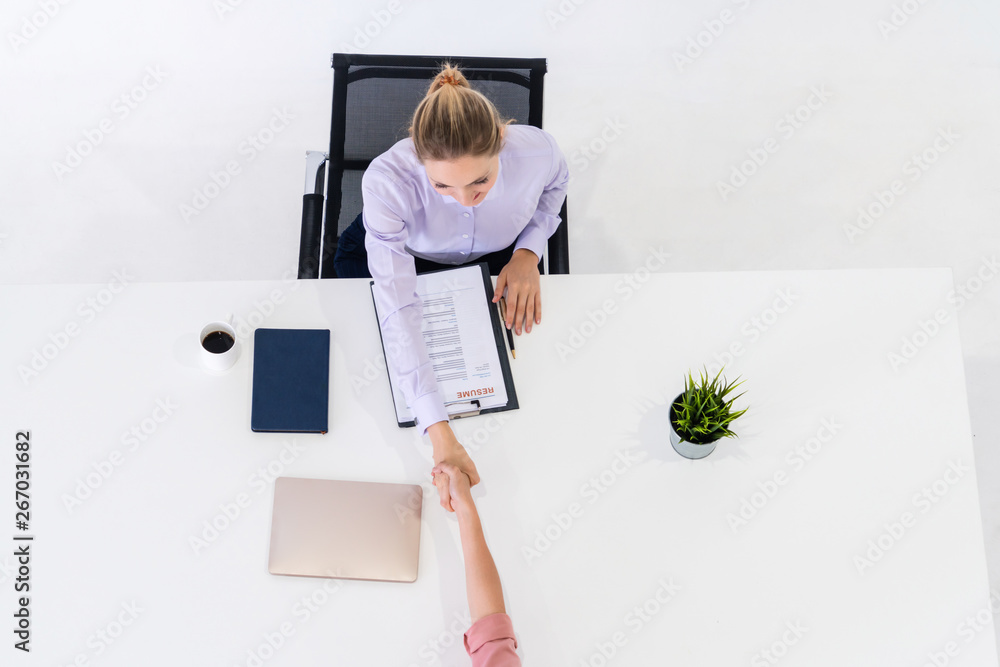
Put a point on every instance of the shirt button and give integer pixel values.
(465, 236)
(466, 214)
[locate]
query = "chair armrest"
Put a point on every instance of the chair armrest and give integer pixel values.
(312, 232)
(558, 248)
(315, 172)
(311, 237)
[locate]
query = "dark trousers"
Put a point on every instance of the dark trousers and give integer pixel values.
(351, 259)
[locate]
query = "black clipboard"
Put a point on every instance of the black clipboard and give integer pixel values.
(502, 353)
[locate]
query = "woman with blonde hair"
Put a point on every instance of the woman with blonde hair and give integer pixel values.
(465, 187)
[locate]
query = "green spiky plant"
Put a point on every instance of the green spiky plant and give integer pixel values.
(702, 414)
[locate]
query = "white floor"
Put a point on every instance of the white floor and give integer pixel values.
(117, 114)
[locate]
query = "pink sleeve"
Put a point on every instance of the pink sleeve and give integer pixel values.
(490, 642)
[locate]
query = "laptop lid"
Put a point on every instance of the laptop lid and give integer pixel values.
(345, 530)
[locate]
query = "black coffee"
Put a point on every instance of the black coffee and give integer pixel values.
(218, 342)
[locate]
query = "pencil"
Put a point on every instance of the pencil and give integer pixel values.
(503, 316)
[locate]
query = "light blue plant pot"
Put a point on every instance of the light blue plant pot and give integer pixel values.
(688, 450)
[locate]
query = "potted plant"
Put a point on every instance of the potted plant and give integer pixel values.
(701, 415)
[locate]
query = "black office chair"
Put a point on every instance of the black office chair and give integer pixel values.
(374, 97)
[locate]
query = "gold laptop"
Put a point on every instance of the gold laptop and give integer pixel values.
(345, 530)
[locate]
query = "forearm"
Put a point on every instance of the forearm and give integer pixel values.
(442, 437)
(482, 581)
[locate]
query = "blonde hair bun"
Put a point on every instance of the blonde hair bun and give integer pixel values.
(449, 75)
(454, 121)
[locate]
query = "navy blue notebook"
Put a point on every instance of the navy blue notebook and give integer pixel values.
(291, 380)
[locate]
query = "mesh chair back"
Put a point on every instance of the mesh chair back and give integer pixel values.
(374, 98)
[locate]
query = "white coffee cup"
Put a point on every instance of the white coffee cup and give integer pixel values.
(219, 346)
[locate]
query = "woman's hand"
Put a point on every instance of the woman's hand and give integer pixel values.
(524, 296)
(448, 450)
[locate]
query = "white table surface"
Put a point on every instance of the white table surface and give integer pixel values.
(656, 522)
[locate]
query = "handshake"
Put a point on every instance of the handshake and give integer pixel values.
(454, 487)
(454, 472)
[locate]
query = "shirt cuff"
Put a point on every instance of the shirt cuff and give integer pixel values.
(429, 409)
(488, 629)
(532, 238)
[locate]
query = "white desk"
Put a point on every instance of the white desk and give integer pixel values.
(650, 520)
